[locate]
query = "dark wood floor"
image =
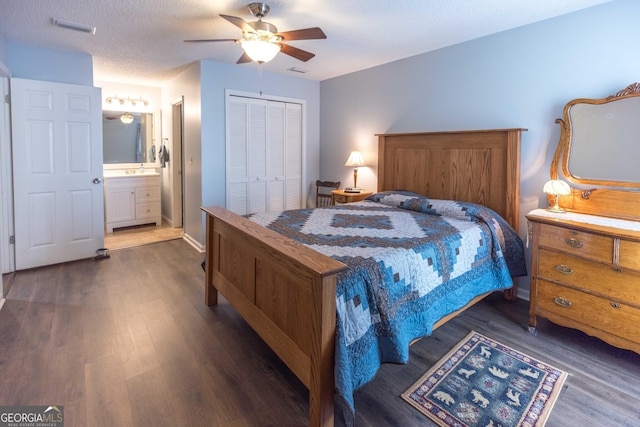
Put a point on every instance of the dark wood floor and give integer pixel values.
(128, 341)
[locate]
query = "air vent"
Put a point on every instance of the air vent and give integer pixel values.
(73, 26)
(298, 70)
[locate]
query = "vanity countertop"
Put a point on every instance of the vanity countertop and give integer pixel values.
(125, 174)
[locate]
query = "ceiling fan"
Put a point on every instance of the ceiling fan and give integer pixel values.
(261, 40)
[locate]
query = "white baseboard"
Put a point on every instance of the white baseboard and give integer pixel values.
(167, 221)
(193, 242)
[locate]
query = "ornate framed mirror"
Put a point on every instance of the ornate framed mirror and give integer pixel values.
(599, 154)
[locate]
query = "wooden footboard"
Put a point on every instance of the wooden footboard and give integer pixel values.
(285, 291)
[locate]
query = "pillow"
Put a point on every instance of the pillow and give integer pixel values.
(394, 198)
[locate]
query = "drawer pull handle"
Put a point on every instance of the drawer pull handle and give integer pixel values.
(574, 243)
(564, 269)
(615, 305)
(562, 302)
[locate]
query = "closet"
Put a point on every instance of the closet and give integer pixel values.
(263, 155)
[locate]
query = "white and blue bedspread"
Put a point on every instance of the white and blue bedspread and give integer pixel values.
(412, 260)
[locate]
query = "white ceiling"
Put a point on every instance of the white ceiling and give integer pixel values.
(141, 41)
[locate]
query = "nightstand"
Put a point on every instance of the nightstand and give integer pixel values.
(341, 196)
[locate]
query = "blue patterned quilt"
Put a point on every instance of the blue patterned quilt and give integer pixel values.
(411, 260)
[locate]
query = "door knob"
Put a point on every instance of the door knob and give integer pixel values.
(97, 180)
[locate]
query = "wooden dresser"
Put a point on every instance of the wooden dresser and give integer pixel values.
(585, 274)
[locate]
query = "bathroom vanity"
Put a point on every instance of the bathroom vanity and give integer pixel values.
(131, 199)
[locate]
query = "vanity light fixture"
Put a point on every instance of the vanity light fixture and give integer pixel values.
(122, 101)
(355, 160)
(126, 118)
(556, 188)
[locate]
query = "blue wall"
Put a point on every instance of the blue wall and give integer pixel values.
(518, 78)
(38, 63)
(216, 78)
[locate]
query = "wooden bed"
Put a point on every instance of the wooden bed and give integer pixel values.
(287, 292)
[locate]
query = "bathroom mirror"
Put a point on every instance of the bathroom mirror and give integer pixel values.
(128, 143)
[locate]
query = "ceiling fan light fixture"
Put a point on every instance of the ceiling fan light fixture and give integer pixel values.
(259, 50)
(126, 118)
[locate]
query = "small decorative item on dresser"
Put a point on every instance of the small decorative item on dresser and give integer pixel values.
(556, 188)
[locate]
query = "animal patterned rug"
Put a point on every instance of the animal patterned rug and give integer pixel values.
(484, 383)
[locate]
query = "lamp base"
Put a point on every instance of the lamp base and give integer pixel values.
(556, 209)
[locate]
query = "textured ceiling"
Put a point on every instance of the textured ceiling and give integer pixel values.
(141, 41)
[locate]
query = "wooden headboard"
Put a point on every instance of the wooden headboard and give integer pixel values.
(480, 166)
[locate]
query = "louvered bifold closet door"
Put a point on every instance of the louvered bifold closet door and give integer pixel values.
(258, 173)
(293, 156)
(276, 156)
(264, 155)
(237, 154)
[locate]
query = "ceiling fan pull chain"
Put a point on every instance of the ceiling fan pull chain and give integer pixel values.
(260, 67)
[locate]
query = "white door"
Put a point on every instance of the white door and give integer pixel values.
(57, 167)
(276, 156)
(264, 155)
(293, 157)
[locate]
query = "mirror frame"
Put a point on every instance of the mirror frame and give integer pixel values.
(564, 146)
(619, 199)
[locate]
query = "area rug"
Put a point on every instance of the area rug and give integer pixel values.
(484, 383)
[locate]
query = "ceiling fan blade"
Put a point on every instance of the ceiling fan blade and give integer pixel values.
(300, 54)
(240, 23)
(210, 40)
(305, 34)
(244, 59)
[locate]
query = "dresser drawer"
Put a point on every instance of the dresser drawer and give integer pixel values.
(593, 277)
(144, 194)
(629, 254)
(614, 318)
(147, 210)
(587, 245)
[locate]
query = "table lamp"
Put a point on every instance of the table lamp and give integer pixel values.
(557, 188)
(355, 160)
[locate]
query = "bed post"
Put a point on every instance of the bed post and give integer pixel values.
(210, 292)
(321, 387)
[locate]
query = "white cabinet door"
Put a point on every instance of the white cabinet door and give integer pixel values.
(57, 166)
(121, 204)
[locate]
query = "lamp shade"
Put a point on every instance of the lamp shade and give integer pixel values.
(355, 159)
(259, 50)
(557, 187)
